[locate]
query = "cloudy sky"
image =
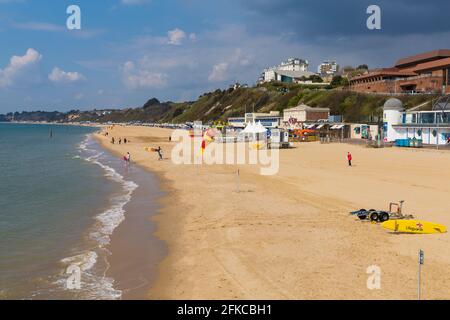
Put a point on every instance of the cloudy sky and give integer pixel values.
(130, 50)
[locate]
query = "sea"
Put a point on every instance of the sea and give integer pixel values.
(62, 200)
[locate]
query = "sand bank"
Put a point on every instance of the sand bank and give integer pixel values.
(289, 236)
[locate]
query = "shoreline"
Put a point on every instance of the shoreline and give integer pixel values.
(128, 261)
(289, 236)
(73, 231)
(77, 124)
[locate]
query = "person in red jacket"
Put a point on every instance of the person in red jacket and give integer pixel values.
(349, 158)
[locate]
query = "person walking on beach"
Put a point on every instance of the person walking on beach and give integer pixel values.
(127, 157)
(120, 140)
(125, 140)
(113, 140)
(159, 151)
(349, 158)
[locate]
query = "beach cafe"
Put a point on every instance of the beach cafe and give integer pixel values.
(329, 131)
(413, 128)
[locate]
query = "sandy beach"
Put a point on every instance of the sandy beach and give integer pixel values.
(290, 236)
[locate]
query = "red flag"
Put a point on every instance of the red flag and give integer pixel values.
(203, 146)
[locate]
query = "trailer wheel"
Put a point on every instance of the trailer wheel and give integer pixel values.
(362, 217)
(374, 216)
(384, 217)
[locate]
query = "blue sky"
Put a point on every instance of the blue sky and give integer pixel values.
(131, 50)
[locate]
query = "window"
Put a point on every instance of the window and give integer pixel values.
(427, 117)
(448, 76)
(443, 117)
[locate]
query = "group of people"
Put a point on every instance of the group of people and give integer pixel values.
(125, 141)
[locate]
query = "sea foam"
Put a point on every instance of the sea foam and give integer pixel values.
(98, 286)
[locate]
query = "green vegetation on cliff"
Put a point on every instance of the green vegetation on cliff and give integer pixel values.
(222, 104)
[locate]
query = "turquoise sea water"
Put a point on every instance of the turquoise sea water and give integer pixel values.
(61, 197)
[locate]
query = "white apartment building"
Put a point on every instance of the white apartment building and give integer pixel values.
(327, 68)
(296, 66)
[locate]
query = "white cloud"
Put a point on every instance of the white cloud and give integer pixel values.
(39, 26)
(17, 67)
(176, 36)
(165, 62)
(60, 76)
(136, 78)
(56, 28)
(219, 72)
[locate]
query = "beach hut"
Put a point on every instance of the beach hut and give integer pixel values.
(255, 132)
(254, 128)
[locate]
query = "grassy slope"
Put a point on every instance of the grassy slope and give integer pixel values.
(220, 105)
(223, 104)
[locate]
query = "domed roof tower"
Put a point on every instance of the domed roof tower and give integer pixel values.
(393, 104)
(393, 109)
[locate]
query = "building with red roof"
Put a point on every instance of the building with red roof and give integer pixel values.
(427, 72)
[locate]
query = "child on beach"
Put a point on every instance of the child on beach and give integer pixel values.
(127, 158)
(349, 158)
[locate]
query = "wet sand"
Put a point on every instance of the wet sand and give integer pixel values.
(134, 253)
(289, 236)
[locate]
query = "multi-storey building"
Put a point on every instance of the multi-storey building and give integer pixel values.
(292, 70)
(327, 68)
(430, 127)
(427, 72)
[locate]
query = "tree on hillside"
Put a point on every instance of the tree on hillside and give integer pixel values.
(151, 102)
(363, 67)
(348, 69)
(339, 81)
(315, 78)
(345, 82)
